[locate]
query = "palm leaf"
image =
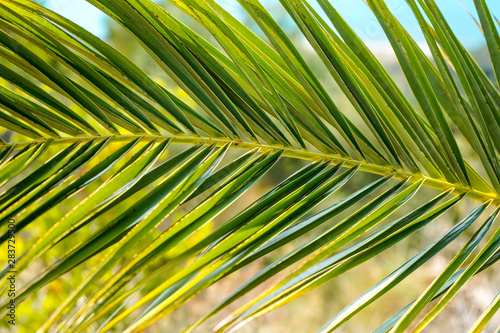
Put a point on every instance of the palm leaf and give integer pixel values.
(93, 130)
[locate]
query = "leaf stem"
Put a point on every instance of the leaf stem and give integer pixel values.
(439, 184)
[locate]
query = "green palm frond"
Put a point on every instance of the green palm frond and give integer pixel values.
(153, 191)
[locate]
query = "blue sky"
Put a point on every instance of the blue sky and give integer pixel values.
(354, 11)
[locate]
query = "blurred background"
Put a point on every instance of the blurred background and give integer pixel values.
(313, 310)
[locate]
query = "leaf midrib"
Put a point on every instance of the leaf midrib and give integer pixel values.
(439, 184)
